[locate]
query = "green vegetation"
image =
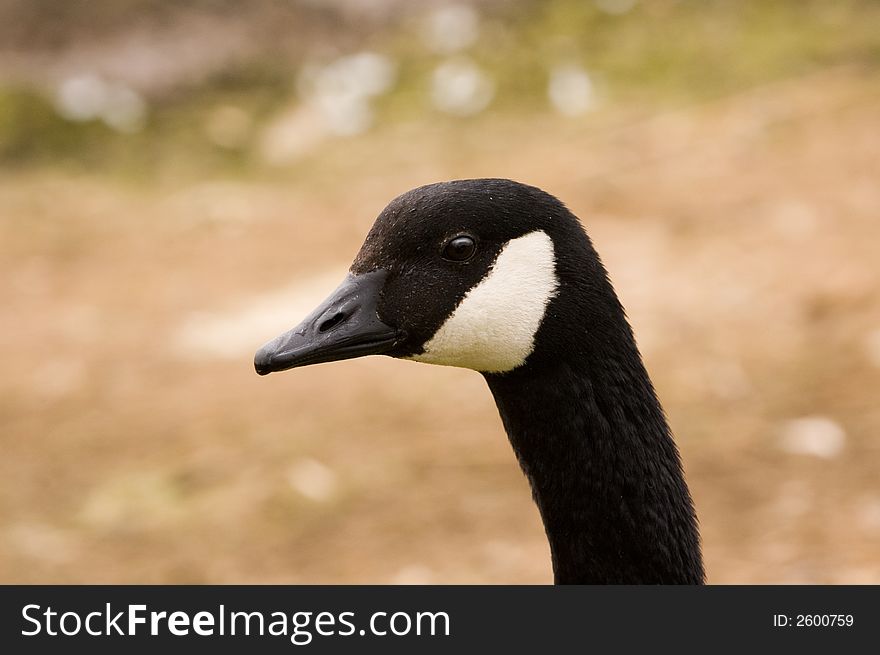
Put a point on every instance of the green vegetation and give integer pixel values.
(656, 53)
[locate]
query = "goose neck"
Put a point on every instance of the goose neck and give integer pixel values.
(604, 471)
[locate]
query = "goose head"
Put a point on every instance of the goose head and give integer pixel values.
(464, 273)
(501, 278)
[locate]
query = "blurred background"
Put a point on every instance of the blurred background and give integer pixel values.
(180, 182)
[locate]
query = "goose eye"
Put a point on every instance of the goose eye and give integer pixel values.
(460, 248)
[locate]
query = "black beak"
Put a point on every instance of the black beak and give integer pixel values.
(345, 325)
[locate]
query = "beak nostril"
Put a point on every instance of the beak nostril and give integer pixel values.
(331, 322)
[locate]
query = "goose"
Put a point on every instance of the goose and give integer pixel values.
(501, 278)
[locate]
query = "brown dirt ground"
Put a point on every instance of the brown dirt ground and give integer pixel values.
(743, 236)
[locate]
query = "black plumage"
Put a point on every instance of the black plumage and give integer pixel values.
(580, 411)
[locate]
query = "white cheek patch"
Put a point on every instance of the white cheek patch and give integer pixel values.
(493, 328)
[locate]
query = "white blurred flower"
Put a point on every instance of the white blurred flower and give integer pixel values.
(451, 28)
(459, 86)
(818, 436)
(124, 109)
(89, 97)
(414, 574)
(371, 73)
(346, 115)
(42, 541)
(292, 135)
(869, 514)
(362, 74)
(794, 219)
(615, 7)
(342, 90)
(336, 101)
(571, 90)
(81, 98)
(313, 480)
